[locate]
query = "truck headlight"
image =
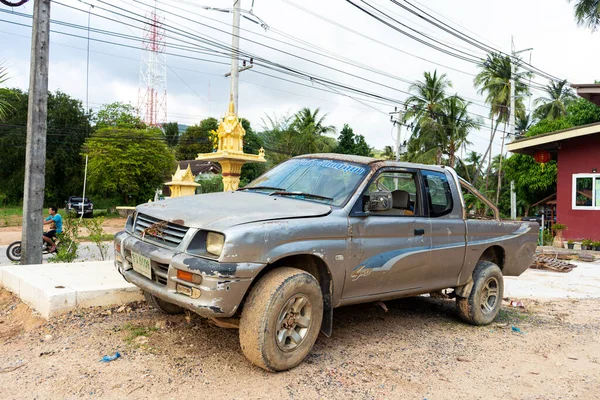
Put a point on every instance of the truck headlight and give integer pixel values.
(214, 243)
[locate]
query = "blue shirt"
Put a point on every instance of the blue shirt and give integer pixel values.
(57, 221)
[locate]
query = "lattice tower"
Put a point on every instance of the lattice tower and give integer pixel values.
(152, 91)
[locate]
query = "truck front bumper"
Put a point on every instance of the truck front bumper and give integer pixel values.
(217, 295)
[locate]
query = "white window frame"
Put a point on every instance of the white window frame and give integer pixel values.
(595, 185)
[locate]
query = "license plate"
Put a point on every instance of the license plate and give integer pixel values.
(141, 265)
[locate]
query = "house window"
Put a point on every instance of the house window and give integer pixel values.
(586, 192)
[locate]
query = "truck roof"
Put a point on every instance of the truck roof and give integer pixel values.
(371, 161)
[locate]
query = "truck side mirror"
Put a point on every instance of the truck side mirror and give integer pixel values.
(379, 201)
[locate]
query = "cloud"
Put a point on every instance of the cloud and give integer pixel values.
(197, 89)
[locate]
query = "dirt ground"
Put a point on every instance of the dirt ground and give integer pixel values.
(416, 350)
(11, 234)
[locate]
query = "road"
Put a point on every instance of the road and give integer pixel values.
(87, 251)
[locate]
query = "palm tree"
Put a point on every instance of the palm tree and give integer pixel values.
(524, 122)
(555, 105)
(388, 153)
(494, 82)
(455, 126)
(311, 131)
(587, 13)
(425, 109)
(5, 106)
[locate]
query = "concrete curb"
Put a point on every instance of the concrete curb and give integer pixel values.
(54, 289)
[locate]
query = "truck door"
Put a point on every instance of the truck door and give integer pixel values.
(448, 230)
(388, 249)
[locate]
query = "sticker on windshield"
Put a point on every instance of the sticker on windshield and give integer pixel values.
(340, 166)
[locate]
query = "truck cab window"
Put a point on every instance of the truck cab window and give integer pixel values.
(439, 193)
(403, 189)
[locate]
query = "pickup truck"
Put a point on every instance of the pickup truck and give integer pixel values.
(317, 232)
(80, 206)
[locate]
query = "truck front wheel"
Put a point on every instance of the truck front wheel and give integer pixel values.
(485, 299)
(164, 306)
(281, 319)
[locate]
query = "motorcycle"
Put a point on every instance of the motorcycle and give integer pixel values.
(13, 252)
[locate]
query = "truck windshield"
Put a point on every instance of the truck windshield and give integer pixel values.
(313, 179)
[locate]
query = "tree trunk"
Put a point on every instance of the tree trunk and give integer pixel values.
(492, 134)
(500, 167)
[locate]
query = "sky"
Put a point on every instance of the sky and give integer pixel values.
(390, 61)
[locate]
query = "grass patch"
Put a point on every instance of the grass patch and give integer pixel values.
(11, 216)
(135, 331)
(514, 316)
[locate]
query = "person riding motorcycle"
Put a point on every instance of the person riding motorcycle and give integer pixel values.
(56, 219)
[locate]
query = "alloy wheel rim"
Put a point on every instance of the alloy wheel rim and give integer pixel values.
(294, 322)
(489, 295)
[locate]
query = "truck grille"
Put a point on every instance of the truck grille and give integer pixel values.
(158, 231)
(160, 273)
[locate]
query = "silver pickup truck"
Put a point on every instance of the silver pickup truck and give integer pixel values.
(318, 232)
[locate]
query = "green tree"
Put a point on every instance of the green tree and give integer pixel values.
(252, 144)
(587, 13)
(349, 143)
(171, 132)
(311, 132)
(127, 162)
(455, 124)
(197, 139)
(554, 106)
(582, 112)
(523, 123)
(67, 127)
(424, 108)
(5, 106)
(118, 114)
(388, 153)
(494, 81)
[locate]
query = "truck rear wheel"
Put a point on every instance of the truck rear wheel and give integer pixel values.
(161, 305)
(281, 319)
(483, 303)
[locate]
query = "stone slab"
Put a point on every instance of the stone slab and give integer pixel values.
(582, 282)
(54, 289)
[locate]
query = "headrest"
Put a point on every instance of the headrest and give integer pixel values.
(400, 199)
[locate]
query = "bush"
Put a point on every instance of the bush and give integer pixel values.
(67, 250)
(97, 235)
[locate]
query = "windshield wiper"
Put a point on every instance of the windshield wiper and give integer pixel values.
(261, 188)
(314, 196)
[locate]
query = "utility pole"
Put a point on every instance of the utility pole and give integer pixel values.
(513, 201)
(398, 123)
(235, 45)
(235, 50)
(512, 111)
(35, 158)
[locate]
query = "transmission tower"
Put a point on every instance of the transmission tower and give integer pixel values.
(152, 91)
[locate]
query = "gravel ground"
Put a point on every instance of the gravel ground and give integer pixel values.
(416, 350)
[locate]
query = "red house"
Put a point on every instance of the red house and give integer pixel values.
(577, 151)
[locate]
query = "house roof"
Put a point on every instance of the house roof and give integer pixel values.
(551, 141)
(589, 91)
(200, 167)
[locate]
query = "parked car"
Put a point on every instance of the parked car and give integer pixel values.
(79, 206)
(314, 233)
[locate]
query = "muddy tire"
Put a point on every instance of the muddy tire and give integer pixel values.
(482, 305)
(161, 305)
(13, 251)
(281, 319)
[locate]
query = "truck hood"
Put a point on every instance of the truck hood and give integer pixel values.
(217, 211)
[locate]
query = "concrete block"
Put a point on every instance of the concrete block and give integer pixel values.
(54, 289)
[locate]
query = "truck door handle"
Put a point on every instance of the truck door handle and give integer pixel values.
(419, 232)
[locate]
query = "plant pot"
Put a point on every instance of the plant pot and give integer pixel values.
(597, 248)
(570, 246)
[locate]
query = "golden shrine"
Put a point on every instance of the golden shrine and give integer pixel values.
(230, 151)
(182, 183)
